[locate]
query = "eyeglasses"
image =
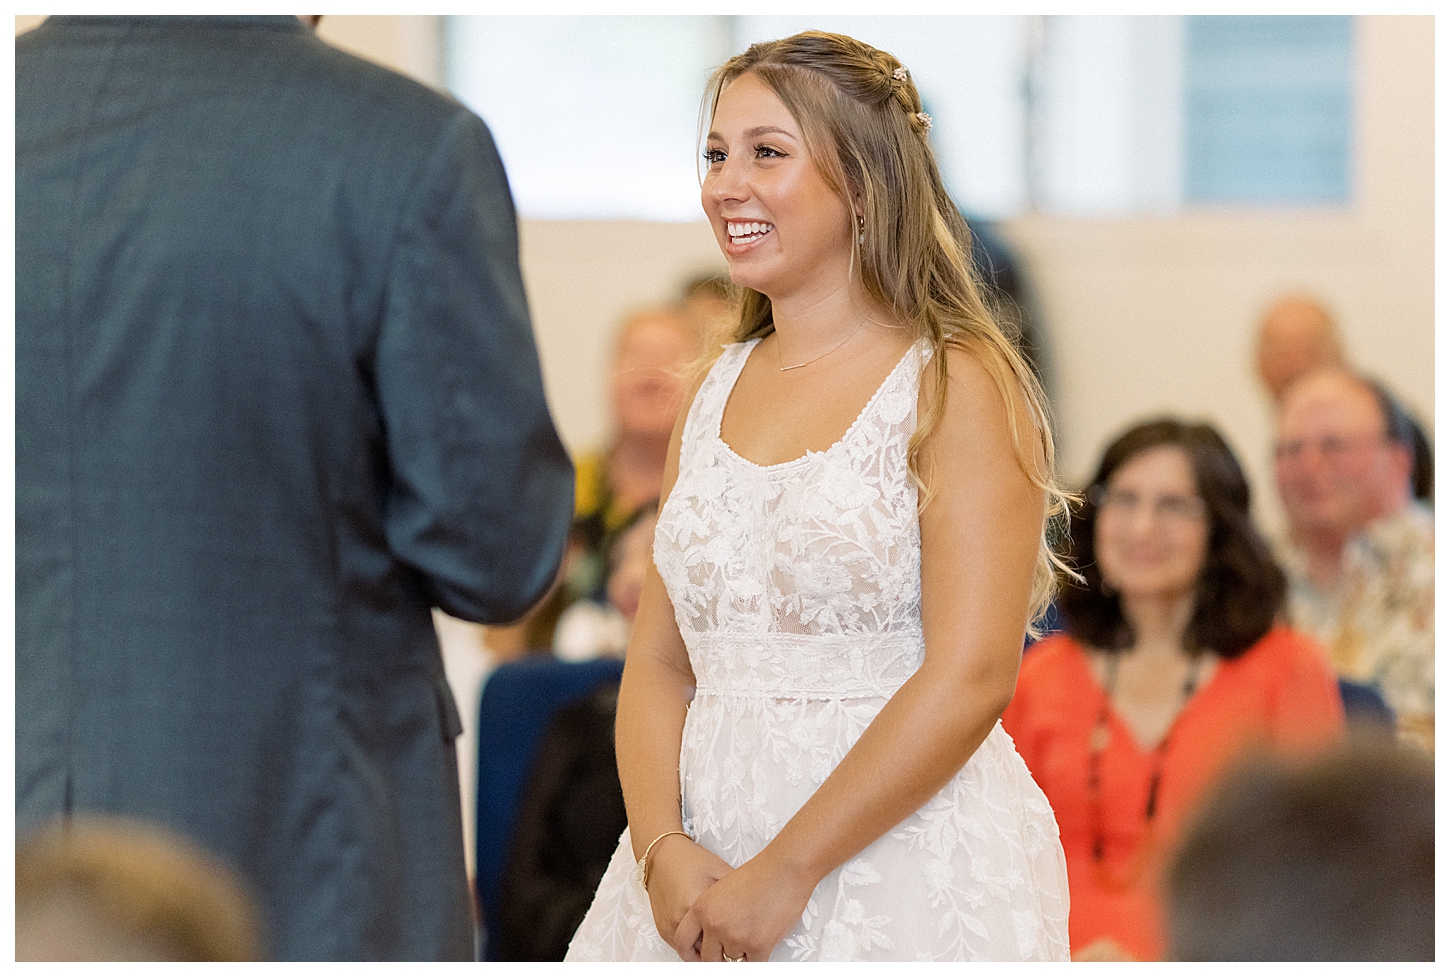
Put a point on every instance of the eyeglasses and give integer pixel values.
(1123, 503)
(1332, 447)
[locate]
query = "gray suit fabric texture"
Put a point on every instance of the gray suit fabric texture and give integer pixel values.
(277, 395)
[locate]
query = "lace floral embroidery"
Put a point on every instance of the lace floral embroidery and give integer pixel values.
(797, 591)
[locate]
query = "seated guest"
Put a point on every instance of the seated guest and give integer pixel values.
(710, 303)
(1330, 861)
(1361, 552)
(1298, 336)
(647, 383)
(593, 629)
(572, 810)
(1170, 668)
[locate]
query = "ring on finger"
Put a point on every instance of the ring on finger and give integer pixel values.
(730, 959)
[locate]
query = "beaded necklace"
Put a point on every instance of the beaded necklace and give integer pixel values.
(1098, 742)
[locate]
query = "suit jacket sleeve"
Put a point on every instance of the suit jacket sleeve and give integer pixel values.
(480, 489)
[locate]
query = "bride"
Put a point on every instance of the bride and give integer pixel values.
(850, 549)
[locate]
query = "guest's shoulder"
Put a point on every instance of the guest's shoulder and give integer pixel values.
(1050, 656)
(1420, 515)
(1285, 647)
(1410, 530)
(1051, 678)
(591, 483)
(1056, 643)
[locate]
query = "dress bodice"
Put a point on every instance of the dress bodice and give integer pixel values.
(801, 579)
(797, 591)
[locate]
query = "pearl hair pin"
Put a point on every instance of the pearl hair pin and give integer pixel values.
(901, 74)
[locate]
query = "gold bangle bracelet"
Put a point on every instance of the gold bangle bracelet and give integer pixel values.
(644, 859)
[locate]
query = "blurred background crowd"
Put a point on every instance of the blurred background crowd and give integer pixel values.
(1214, 237)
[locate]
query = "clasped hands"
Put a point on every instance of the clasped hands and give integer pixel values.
(708, 911)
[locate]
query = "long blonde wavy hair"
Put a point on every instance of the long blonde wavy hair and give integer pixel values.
(861, 117)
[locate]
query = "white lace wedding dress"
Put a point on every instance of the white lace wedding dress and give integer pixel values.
(797, 589)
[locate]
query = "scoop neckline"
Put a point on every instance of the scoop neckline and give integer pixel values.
(810, 453)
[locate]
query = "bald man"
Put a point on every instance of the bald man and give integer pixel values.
(1360, 556)
(1297, 335)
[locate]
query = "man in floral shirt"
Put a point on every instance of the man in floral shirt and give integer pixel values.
(1361, 552)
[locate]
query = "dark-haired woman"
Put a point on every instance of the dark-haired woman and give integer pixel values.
(1171, 668)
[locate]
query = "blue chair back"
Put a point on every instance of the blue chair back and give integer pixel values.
(518, 701)
(1364, 704)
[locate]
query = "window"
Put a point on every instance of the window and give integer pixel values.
(597, 117)
(969, 71)
(1104, 103)
(1267, 109)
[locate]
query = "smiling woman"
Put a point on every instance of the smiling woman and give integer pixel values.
(785, 231)
(1172, 666)
(849, 551)
(1151, 532)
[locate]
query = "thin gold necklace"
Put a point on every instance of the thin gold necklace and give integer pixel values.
(797, 366)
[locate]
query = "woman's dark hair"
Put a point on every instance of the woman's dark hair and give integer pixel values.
(1240, 588)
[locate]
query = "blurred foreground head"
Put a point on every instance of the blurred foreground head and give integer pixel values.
(104, 888)
(1333, 860)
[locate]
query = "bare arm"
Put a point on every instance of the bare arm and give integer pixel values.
(654, 695)
(979, 543)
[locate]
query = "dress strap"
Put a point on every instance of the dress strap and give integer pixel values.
(703, 420)
(890, 414)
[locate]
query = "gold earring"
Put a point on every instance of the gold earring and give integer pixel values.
(860, 229)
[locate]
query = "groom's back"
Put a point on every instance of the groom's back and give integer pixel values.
(242, 471)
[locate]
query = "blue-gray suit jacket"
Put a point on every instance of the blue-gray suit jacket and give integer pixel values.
(276, 395)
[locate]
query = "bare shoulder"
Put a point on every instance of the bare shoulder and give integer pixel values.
(984, 403)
